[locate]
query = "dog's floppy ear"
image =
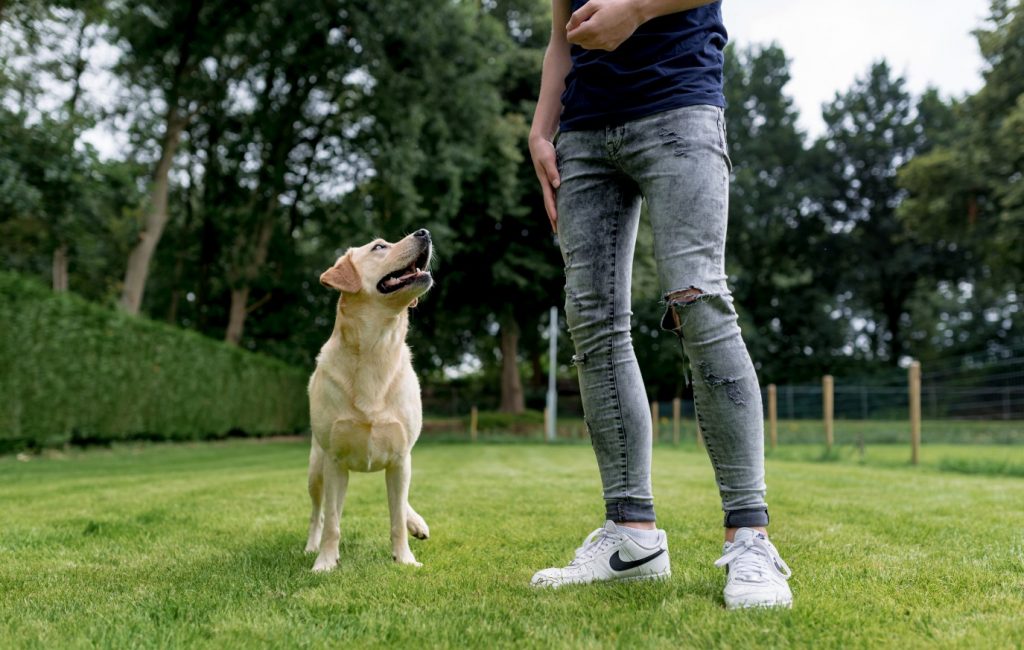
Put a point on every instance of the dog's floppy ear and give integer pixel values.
(343, 276)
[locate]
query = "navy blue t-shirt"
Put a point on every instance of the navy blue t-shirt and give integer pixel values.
(669, 62)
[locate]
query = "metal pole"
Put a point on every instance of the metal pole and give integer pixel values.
(552, 366)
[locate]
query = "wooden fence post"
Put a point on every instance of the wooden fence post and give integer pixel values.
(773, 416)
(827, 396)
(677, 409)
(914, 377)
(472, 424)
(654, 421)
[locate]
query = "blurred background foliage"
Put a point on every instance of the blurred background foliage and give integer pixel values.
(249, 144)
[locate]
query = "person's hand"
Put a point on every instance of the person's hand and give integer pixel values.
(543, 154)
(603, 24)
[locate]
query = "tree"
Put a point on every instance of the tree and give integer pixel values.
(48, 196)
(302, 84)
(970, 191)
(967, 195)
(872, 130)
(782, 281)
(166, 46)
(451, 103)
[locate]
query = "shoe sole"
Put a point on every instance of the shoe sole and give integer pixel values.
(664, 575)
(782, 604)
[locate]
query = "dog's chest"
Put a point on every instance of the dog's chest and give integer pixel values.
(360, 407)
(365, 446)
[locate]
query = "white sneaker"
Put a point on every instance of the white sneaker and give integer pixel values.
(755, 574)
(610, 555)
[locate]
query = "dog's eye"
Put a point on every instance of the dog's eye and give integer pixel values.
(379, 247)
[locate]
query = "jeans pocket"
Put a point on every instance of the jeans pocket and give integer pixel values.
(555, 141)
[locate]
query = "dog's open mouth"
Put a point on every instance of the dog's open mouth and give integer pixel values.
(405, 276)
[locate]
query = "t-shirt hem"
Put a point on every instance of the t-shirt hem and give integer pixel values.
(589, 122)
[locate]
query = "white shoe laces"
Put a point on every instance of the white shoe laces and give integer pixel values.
(595, 542)
(752, 559)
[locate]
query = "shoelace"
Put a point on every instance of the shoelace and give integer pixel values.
(593, 544)
(749, 559)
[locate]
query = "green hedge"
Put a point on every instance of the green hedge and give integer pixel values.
(513, 422)
(74, 371)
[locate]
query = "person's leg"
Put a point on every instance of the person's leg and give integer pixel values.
(598, 215)
(679, 159)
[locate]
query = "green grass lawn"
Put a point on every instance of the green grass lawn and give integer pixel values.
(993, 460)
(201, 546)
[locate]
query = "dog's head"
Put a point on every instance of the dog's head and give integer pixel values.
(393, 274)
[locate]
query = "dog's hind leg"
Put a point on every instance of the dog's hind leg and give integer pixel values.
(398, 476)
(414, 522)
(316, 493)
(335, 486)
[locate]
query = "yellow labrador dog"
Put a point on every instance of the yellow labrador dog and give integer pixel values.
(364, 398)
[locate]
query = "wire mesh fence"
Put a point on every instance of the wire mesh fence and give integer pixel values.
(965, 400)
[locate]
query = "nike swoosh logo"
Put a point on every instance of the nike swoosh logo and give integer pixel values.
(618, 564)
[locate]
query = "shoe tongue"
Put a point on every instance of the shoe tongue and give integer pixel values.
(610, 526)
(747, 534)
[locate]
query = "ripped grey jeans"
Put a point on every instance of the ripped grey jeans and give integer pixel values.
(677, 161)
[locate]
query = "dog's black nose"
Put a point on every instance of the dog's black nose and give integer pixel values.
(422, 232)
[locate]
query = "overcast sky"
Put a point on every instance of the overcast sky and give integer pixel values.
(830, 42)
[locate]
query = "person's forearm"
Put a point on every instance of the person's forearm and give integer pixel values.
(552, 82)
(649, 9)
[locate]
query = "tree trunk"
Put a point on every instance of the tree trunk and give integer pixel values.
(59, 273)
(240, 295)
(60, 268)
(237, 314)
(511, 386)
(896, 332)
(892, 306)
(142, 254)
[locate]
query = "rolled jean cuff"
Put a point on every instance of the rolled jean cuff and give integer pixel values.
(746, 518)
(626, 510)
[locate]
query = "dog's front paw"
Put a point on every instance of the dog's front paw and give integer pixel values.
(417, 527)
(313, 542)
(406, 559)
(325, 562)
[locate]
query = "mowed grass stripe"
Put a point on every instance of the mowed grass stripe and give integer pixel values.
(201, 546)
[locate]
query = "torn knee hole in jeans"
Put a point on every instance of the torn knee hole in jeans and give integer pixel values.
(677, 301)
(713, 381)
